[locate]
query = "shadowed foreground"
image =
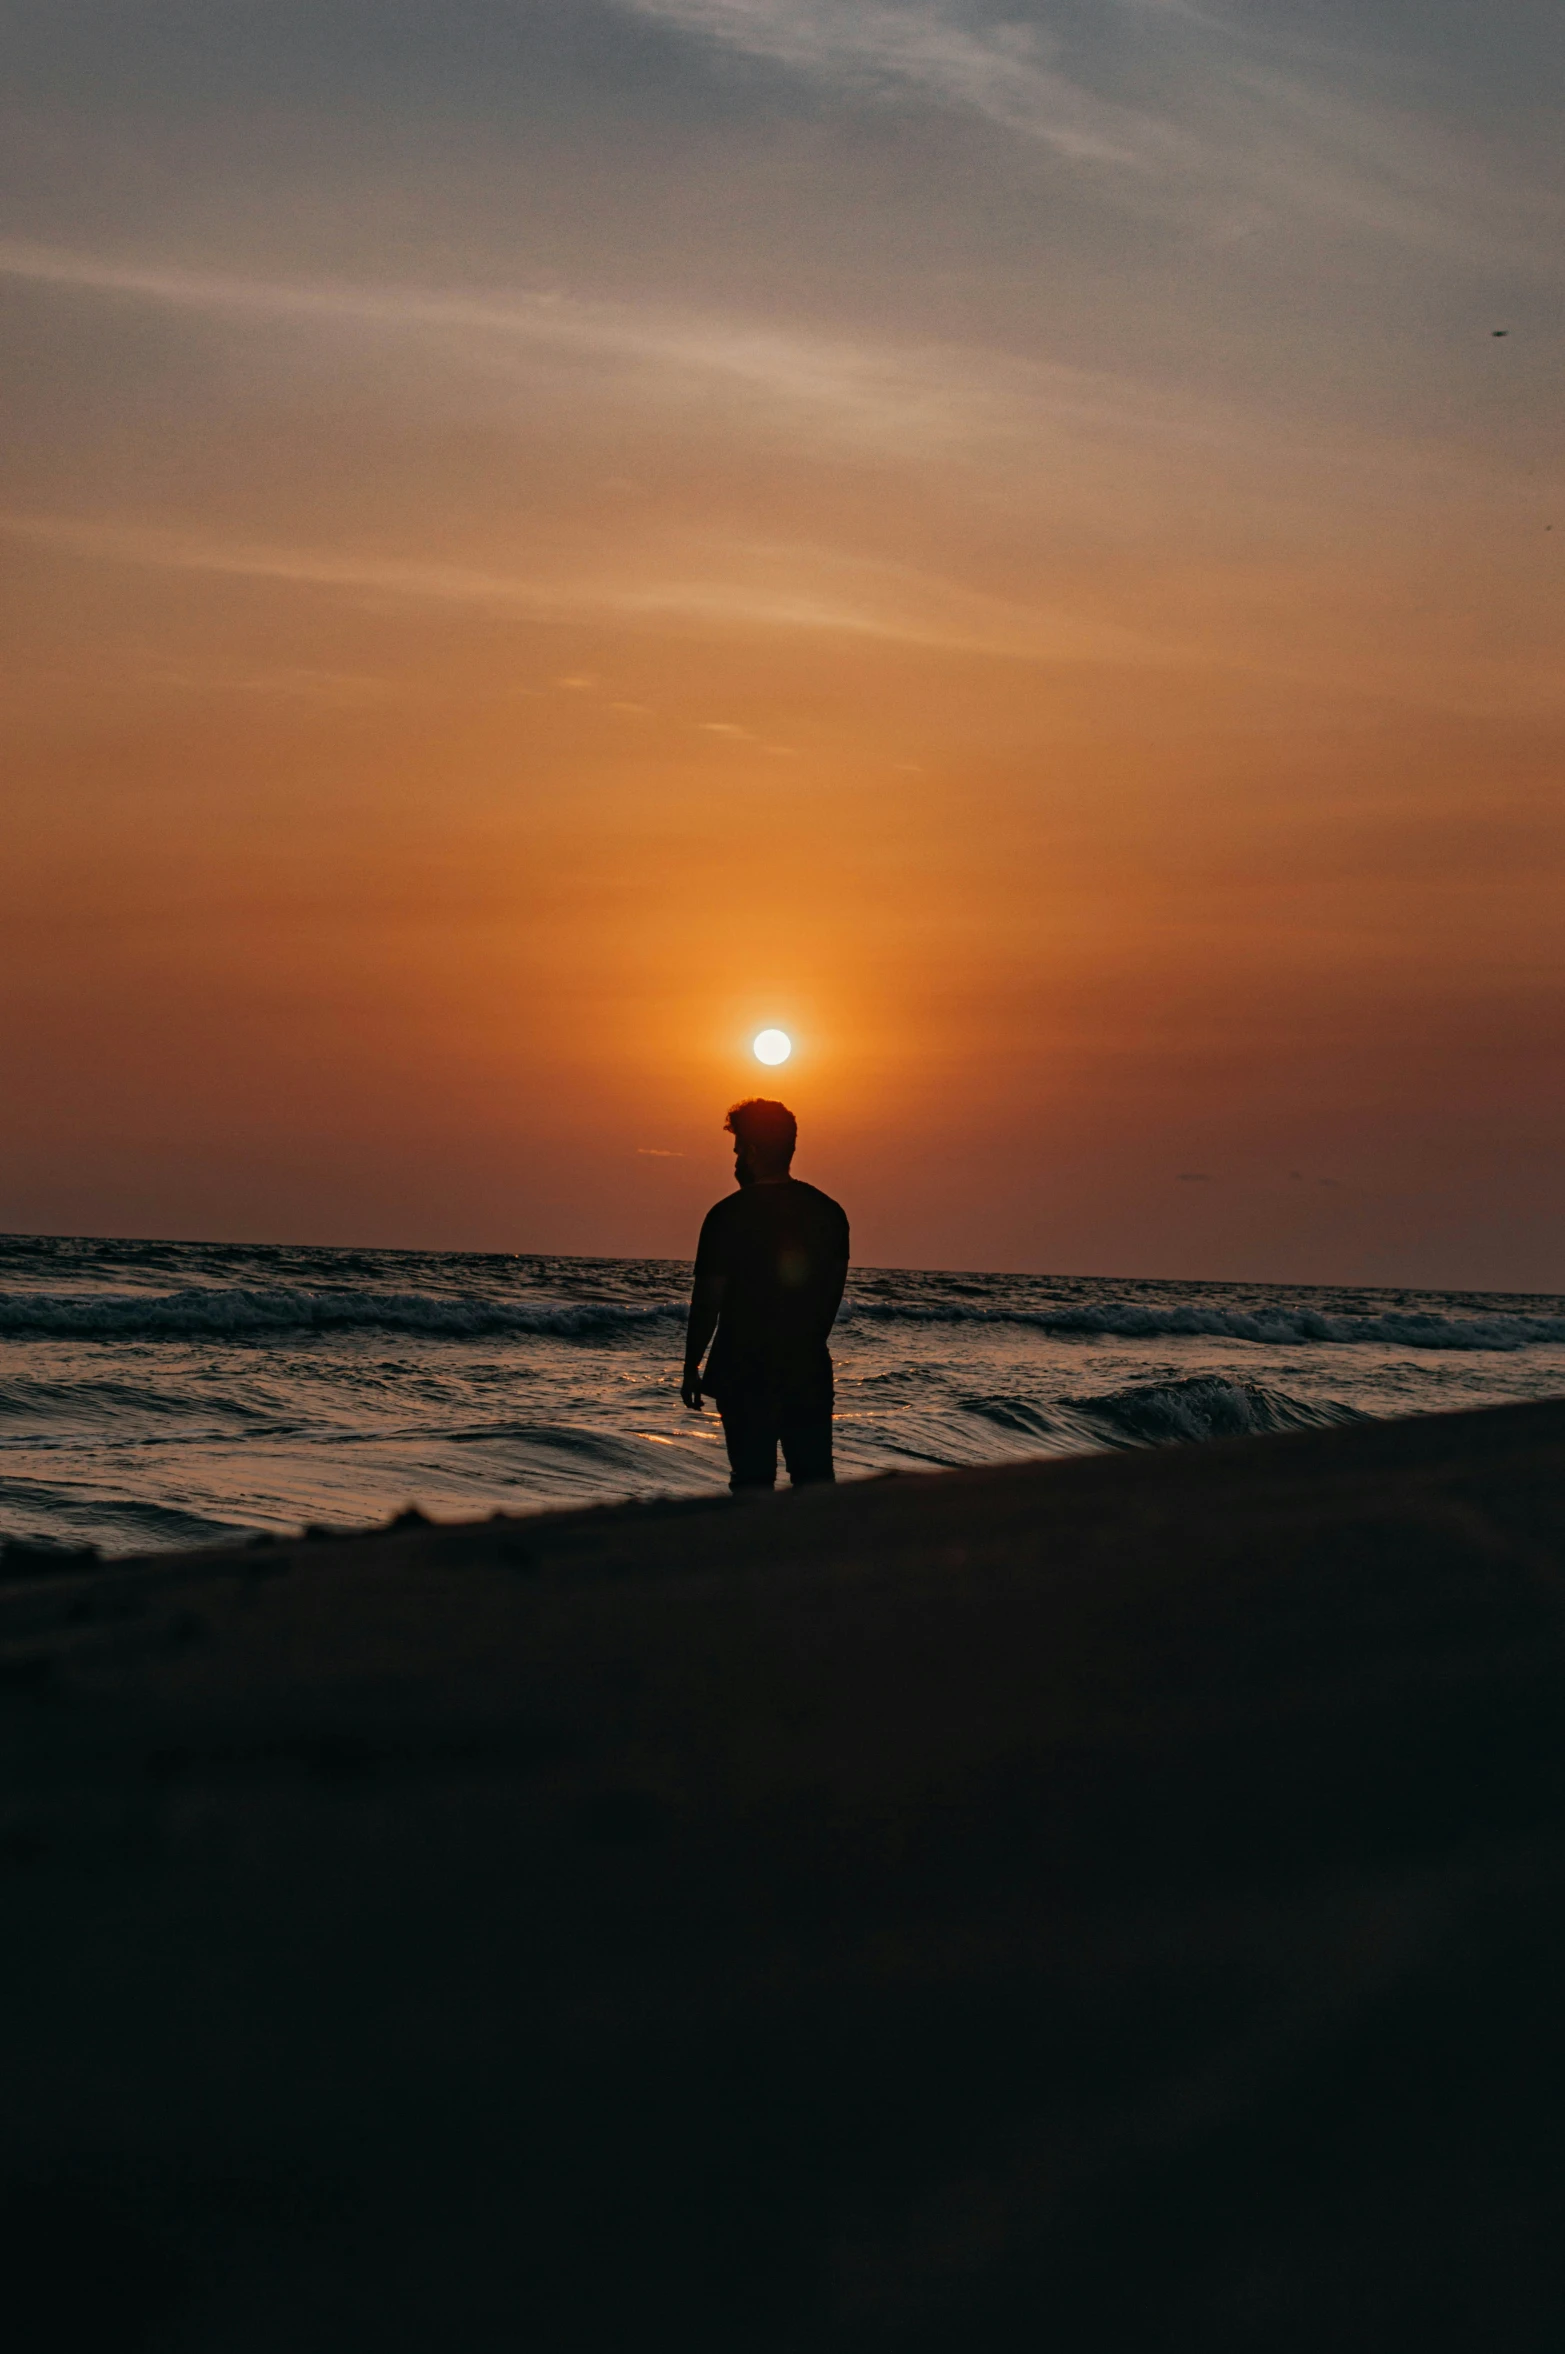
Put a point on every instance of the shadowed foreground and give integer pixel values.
(1118, 1902)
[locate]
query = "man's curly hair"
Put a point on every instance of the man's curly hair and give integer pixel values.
(768, 1132)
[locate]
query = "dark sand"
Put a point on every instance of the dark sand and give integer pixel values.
(1111, 1903)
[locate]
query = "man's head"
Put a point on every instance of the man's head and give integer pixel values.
(763, 1135)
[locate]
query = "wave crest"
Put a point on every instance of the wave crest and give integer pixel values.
(1174, 1413)
(221, 1314)
(1130, 1320)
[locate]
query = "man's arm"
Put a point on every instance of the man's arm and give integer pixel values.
(836, 1271)
(706, 1301)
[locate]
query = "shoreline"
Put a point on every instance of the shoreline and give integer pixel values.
(172, 1396)
(1112, 1897)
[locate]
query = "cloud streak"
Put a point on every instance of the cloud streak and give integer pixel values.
(793, 590)
(1003, 72)
(965, 405)
(1239, 119)
(880, 393)
(962, 405)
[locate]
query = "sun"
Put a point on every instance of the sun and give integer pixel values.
(772, 1046)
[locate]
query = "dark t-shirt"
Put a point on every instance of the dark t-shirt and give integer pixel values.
(782, 1249)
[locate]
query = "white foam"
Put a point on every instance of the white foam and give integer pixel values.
(1270, 1327)
(210, 1313)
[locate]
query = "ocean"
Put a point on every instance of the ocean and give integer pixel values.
(162, 1393)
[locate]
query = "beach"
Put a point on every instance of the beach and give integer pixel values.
(1109, 1901)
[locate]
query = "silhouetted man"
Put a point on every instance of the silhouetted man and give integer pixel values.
(770, 1267)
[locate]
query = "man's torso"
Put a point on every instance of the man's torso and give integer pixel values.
(780, 1250)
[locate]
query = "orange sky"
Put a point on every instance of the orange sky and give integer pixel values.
(1016, 555)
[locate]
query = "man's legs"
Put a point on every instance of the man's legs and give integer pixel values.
(806, 1441)
(750, 1434)
(754, 1421)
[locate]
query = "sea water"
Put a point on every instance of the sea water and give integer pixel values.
(158, 1394)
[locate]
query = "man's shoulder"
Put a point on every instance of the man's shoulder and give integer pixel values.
(720, 1213)
(821, 1203)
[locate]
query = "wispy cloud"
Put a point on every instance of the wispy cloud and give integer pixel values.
(1004, 71)
(963, 404)
(186, 551)
(736, 588)
(967, 405)
(730, 589)
(742, 735)
(883, 394)
(1239, 120)
(1023, 455)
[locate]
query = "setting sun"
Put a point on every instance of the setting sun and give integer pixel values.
(772, 1046)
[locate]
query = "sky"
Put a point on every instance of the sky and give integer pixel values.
(1023, 544)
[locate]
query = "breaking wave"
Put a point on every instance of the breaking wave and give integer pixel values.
(1272, 1327)
(1158, 1414)
(222, 1314)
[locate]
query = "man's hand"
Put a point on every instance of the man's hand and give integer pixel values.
(706, 1305)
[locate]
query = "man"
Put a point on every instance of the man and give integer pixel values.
(770, 1267)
